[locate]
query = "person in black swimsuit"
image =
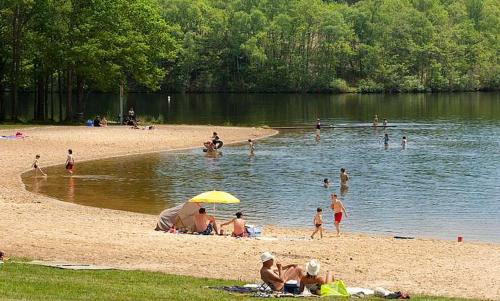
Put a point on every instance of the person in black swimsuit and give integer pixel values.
(318, 223)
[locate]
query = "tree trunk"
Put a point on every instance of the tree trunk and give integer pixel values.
(69, 111)
(60, 93)
(52, 97)
(79, 94)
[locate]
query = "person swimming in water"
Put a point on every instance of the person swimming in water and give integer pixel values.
(375, 120)
(326, 183)
(318, 129)
(404, 142)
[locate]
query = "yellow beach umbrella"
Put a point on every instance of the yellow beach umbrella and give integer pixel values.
(215, 197)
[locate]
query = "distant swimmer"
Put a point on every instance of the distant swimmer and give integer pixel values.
(70, 162)
(386, 140)
(36, 166)
(375, 120)
(326, 183)
(385, 122)
(338, 209)
(404, 142)
(318, 129)
(251, 146)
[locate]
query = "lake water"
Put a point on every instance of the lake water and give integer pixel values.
(444, 184)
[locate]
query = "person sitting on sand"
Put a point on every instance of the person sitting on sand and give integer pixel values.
(238, 226)
(276, 278)
(104, 121)
(131, 113)
(97, 121)
(205, 223)
(312, 281)
(36, 166)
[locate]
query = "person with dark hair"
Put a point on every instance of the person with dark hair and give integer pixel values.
(318, 223)
(404, 142)
(338, 210)
(70, 162)
(97, 121)
(238, 225)
(36, 166)
(318, 129)
(205, 223)
(216, 141)
(251, 146)
(326, 183)
(344, 177)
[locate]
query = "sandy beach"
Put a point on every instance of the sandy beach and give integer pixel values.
(38, 227)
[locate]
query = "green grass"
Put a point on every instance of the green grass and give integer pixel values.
(19, 281)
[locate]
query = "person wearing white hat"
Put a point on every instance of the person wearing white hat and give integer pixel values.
(276, 278)
(312, 280)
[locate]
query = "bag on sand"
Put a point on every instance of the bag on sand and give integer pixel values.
(336, 288)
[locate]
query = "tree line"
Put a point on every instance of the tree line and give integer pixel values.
(62, 49)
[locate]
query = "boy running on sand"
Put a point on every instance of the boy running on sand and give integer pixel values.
(318, 223)
(70, 162)
(36, 166)
(338, 209)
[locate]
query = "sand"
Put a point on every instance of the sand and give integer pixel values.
(42, 228)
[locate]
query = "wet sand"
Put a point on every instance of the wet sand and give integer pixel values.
(39, 227)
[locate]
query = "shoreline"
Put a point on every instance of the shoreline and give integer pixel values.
(40, 227)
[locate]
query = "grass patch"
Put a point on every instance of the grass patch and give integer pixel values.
(19, 281)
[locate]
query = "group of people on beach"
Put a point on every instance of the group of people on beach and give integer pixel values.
(69, 164)
(275, 275)
(206, 224)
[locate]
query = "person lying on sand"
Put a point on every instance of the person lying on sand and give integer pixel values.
(312, 281)
(205, 223)
(238, 226)
(276, 278)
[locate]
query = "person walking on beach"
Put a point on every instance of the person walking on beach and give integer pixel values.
(404, 142)
(70, 162)
(318, 223)
(36, 166)
(338, 209)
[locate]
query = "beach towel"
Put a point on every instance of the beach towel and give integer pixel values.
(335, 289)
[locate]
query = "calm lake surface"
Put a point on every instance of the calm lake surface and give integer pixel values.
(446, 183)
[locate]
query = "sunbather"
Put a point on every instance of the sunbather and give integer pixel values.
(205, 223)
(276, 278)
(238, 225)
(312, 281)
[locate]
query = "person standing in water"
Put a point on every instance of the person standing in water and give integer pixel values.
(251, 146)
(375, 120)
(385, 122)
(344, 177)
(326, 183)
(70, 162)
(404, 142)
(338, 210)
(386, 140)
(318, 129)
(36, 166)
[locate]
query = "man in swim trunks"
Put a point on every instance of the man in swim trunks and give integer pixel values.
(276, 278)
(338, 209)
(238, 226)
(318, 129)
(204, 223)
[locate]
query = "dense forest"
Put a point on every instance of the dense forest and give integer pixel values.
(70, 47)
